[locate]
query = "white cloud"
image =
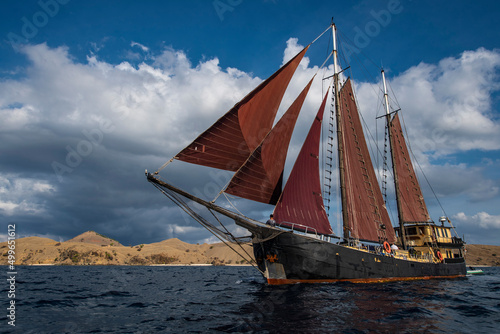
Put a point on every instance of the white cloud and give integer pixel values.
(8, 207)
(20, 195)
(481, 219)
(448, 107)
(453, 180)
(143, 48)
(162, 104)
(292, 48)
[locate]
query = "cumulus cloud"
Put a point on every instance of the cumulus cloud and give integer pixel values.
(142, 47)
(292, 48)
(75, 137)
(481, 219)
(19, 196)
(449, 104)
(453, 180)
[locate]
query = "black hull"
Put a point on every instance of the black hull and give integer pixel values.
(287, 257)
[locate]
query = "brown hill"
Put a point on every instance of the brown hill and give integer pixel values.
(484, 255)
(91, 237)
(91, 248)
(93, 251)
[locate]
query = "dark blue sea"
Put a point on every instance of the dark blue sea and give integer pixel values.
(116, 299)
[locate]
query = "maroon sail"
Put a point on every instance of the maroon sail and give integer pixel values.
(228, 142)
(301, 203)
(260, 178)
(413, 208)
(367, 215)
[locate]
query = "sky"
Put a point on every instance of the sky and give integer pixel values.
(92, 93)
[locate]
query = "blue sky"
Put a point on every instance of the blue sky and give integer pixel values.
(138, 80)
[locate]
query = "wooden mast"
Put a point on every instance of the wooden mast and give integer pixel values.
(343, 197)
(402, 231)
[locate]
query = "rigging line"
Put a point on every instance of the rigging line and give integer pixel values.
(360, 50)
(327, 157)
(453, 227)
(393, 95)
(178, 201)
(222, 192)
(366, 73)
(237, 242)
(211, 228)
(232, 205)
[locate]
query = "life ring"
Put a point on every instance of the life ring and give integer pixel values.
(387, 247)
(440, 256)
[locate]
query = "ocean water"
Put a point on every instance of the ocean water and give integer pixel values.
(173, 299)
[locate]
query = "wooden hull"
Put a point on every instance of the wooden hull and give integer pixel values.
(292, 258)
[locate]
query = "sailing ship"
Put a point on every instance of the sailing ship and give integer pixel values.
(301, 245)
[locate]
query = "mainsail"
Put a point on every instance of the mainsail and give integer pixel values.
(229, 142)
(366, 212)
(413, 208)
(301, 203)
(260, 178)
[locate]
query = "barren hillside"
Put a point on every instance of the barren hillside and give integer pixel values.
(91, 248)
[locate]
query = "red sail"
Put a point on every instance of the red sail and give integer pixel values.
(367, 215)
(413, 208)
(260, 178)
(228, 143)
(301, 203)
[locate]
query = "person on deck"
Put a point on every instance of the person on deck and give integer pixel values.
(271, 221)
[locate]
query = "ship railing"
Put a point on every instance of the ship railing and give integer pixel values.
(299, 228)
(400, 254)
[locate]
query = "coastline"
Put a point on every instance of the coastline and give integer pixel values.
(91, 248)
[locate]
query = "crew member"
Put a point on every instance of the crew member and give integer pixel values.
(271, 221)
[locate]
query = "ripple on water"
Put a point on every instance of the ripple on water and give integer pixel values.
(234, 299)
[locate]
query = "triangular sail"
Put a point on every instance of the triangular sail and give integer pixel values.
(367, 215)
(413, 208)
(260, 178)
(301, 203)
(228, 142)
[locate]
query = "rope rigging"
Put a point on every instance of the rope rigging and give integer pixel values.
(223, 235)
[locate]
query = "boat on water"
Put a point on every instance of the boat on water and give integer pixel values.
(300, 245)
(474, 271)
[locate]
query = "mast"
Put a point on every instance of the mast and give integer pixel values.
(393, 159)
(343, 197)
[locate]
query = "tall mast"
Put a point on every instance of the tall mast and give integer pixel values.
(402, 231)
(339, 136)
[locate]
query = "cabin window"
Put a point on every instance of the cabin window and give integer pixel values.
(412, 231)
(447, 233)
